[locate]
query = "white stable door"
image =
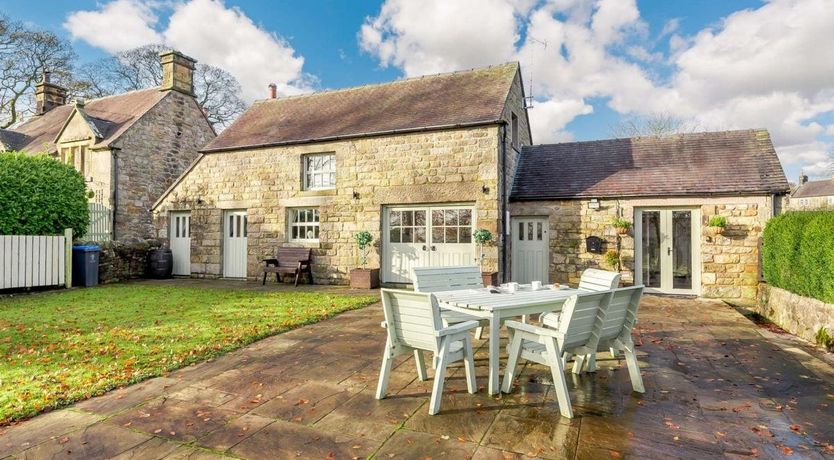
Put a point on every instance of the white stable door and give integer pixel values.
(234, 244)
(668, 250)
(530, 240)
(180, 238)
(425, 236)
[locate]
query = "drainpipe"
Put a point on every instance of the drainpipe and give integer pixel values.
(502, 208)
(115, 194)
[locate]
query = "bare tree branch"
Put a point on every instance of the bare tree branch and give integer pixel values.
(658, 124)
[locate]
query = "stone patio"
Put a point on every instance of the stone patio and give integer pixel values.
(717, 387)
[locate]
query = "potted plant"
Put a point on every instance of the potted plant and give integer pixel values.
(364, 278)
(612, 259)
(621, 225)
(482, 237)
(716, 225)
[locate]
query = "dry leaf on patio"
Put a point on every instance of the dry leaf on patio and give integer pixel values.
(63, 440)
(614, 454)
(795, 427)
(787, 451)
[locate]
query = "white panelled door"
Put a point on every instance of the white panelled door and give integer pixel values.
(530, 240)
(668, 253)
(234, 244)
(180, 237)
(425, 236)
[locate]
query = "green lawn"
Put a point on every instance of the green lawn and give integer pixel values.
(56, 348)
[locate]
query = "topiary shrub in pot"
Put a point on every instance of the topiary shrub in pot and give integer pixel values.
(716, 225)
(364, 278)
(622, 225)
(482, 237)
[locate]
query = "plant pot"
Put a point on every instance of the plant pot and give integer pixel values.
(714, 231)
(622, 230)
(490, 278)
(364, 278)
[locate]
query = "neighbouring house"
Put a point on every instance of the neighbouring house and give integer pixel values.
(668, 187)
(419, 162)
(130, 147)
(812, 195)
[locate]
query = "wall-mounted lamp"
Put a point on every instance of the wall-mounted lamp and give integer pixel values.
(200, 201)
(355, 195)
(593, 204)
(485, 189)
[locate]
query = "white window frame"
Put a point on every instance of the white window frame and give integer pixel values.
(309, 174)
(831, 200)
(314, 224)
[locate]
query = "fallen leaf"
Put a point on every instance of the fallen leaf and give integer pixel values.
(614, 454)
(63, 440)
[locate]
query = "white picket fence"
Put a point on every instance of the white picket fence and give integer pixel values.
(34, 261)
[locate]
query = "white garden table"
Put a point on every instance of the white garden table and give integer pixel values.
(498, 307)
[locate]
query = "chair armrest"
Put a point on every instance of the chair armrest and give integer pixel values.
(384, 325)
(271, 260)
(457, 328)
(533, 329)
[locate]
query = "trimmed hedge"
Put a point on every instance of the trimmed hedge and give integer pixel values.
(41, 196)
(798, 253)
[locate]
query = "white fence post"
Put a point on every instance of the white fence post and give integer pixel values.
(68, 257)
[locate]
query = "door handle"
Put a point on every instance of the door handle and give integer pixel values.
(669, 251)
(424, 247)
(433, 248)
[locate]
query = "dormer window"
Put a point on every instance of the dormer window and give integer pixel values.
(320, 171)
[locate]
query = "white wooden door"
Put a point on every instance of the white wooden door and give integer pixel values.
(234, 244)
(180, 238)
(668, 250)
(425, 236)
(530, 240)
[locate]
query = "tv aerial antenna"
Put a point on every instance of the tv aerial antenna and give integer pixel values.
(528, 100)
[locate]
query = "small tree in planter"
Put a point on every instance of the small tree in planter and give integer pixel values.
(622, 225)
(364, 278)
(482, 237)
(716, 225)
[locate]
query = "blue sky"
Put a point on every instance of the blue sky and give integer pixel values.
(713, 64)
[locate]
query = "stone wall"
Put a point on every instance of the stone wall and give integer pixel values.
(152, 155)
(451, 166)
(801, 316)
(729, 262)
(124, 260)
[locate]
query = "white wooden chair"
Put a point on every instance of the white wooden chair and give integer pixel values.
(413, 324)
(592, 280)
(435, 279)
(615, 333)
(582, 317)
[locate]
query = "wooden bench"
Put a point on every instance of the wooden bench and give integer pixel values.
(291, 261)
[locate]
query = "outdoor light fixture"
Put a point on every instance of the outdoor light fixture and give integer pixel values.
(593, 204)
(355, 195)
(485, 189)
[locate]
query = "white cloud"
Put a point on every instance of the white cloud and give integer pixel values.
(207, 30)
(116, 26)
(757, 68)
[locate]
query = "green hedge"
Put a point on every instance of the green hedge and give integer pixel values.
(798, 253)
(41, 196)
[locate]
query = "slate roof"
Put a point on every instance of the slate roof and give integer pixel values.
(111, 116)
(814, 188)
(713, 163)
(11, 140)
(466, 98)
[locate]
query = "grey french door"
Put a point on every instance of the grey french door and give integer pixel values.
(667, 250)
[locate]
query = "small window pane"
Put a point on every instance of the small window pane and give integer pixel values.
(408, 218)
(395, 235)
(437, 234)
(539, 231)
(465, 217)
(395, 218)
(245, 223)
(407, 235)
(521, 231)
(451, 217)
(530, 231)
(231, 226)
(437, 218)
(451, 234)
(465, 235)
(177, 226)
(420, 218)
(419, 234)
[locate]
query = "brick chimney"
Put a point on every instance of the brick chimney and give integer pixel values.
(177, 72)
(48, 95)
(273, 91)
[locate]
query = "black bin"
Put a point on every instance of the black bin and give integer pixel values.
(85, 265)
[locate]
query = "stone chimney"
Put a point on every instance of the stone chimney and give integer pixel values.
(273, 91)
(803, 178)
(177, 72)
(48, 95)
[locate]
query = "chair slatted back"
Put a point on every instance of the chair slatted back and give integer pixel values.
(412, 318)
(621, 314)
(435, 279)
(581, 318)
(598, 280)
(289, 257)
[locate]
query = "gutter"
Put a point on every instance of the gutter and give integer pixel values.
(613, 196)
(355, 136)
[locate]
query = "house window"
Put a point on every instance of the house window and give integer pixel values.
(320, 171)
(86, 164)
(831, 201)
(304, 224)
(514, 131)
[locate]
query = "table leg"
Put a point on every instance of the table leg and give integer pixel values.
(494, 353)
